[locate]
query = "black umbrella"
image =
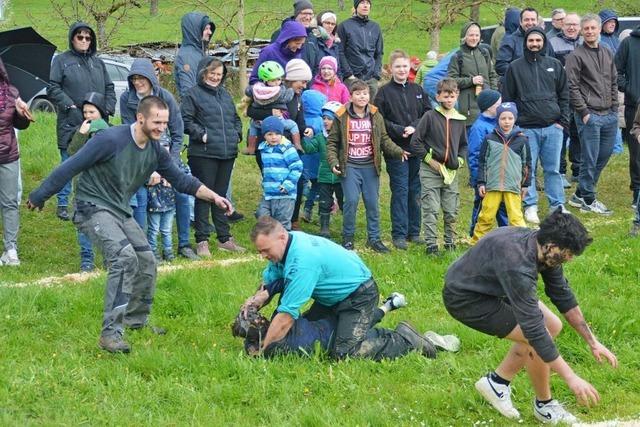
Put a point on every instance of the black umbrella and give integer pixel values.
(27, 58)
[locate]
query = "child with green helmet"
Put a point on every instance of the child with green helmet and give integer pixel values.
(270, 93)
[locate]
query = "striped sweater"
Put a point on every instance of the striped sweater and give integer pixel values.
(281, 169)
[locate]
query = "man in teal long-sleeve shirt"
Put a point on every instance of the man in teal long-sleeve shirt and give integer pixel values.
(303, 267)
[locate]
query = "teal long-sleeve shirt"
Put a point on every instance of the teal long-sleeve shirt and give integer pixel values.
(315, 267)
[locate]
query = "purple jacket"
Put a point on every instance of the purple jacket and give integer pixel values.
(278, 51)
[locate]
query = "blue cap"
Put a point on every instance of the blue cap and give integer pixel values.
(272, 124)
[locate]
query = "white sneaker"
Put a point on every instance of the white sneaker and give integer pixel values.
(395, 301)
(443, 342)
(10, 257)
(553, 413)
(499, 395)
(596, 207)
(531, 214)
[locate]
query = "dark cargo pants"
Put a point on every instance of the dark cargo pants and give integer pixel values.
(131, 278)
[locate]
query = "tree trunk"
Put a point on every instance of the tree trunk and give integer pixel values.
(341, 4)
(437, 25)
(153, 7)
(101, 23)
(243, 50)
(475, 12)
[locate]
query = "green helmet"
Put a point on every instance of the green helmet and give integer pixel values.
(270, 70)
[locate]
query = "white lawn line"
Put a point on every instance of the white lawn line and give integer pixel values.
(611, 423)
(75, 278)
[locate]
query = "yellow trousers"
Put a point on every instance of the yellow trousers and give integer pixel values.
(490, 205)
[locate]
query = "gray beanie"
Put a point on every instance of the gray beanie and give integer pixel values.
(301, 5)
(487, 98)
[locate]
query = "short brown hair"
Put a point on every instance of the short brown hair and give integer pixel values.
(265, 226)
(148, 102)
(447, 85)
(398, 54)
(358, 85)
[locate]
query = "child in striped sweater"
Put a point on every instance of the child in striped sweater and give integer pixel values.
(282, 168)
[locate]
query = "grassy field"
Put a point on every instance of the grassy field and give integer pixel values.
(52, 372)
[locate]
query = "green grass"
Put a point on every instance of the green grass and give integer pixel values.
(52, 373)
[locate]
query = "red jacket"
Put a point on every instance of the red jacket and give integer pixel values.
(9, 119)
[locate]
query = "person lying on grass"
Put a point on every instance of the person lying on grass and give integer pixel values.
(493, 288)
(303, 267)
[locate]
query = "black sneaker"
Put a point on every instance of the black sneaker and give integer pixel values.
(432, 250)
(635, 230)
(114, 344)
(400, 243)
(347, 243)
(417, 240)
(235, 217)
(187, 252)
(378, 246)
(417, 340)
(63, 213)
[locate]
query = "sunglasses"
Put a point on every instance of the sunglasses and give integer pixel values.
(83, 38)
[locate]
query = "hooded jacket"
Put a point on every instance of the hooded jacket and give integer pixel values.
(612, 41)
(312, 102)
(210, 111)
(337, 150)
(592, 78)
(73, 75)
(482, 127)
(401, 105)
(129, 105)
(538, 85)
(467, 63)
(362, 48)
(443, 134)
(512, 48)
(334, 90)
(9, 118)
(310, 52)
(510, 24)
(278, 50)
(192, 50)
(627, 61)
(504, 161)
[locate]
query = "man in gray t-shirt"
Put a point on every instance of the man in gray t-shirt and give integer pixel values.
(493, 288)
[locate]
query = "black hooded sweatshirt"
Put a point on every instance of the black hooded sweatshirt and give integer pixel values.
(538, 85)
(627, 62)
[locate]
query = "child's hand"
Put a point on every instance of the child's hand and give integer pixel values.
(165, 183)
(408, 131)
(405, 155)
(276, 112)
(308, 132)
(523, 192)
(482, 191)
(84, 127)
(336, 170)
(154, 179)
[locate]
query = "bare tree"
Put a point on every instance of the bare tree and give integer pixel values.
(234, 18)
(108, 15)
(153, 7)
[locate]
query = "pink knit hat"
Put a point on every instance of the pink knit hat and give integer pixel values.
(330, 61)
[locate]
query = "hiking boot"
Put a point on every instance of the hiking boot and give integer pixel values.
(498, 395)
(417, 341)
(552, 413)
(443, 342)
(235, 217)
(202, 249)
(63, 213)
(576, 201)
(378, 246)
(417, 240)
(596, 207)
(400, 243)
(114, 344)
(635, 230)
(565, 183)
(432, 250)
(450, 247)
(395, 301)
(188, 253)
(10, 258)
(347, 243)
(307, 216)
(231, 246)
(157, 330)
(634, 201)
(324, 226)
(531, 214)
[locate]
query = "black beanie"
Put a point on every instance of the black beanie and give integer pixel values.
(301, 5)
(357, 2)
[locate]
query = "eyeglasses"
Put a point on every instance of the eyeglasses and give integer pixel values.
(571, 25)
(333, 24)
(306, 13)
(80, 38)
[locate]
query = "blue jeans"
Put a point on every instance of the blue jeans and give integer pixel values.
(363, 181)
(63, 195)
(183, 219)
(404, 180)
(312, 195)
(545, 145)
(162, 222)
(597, 139)
(140, 210)
(86, 249)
